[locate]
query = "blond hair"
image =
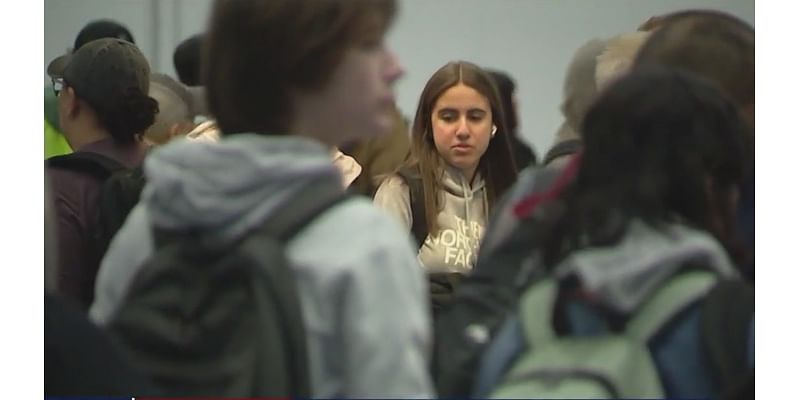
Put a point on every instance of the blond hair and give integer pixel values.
(618, 57)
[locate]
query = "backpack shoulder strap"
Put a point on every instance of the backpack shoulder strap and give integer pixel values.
(419, 223)
(120, 193)
(727, 313)
(88, 162)
(536, 309)
(564, 148)
(673, 296)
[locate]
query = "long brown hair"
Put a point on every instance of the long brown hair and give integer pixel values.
(496, 165)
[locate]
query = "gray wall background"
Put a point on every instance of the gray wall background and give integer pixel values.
(532, 40)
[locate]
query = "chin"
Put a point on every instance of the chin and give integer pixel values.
(459, 164)
(379, 126)
(384, 127)
(366, 131)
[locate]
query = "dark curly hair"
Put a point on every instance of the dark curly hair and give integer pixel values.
(662, 146)
(127, 115)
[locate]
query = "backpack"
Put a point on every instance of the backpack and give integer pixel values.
(564, 148)
(506, 265)
(419, 221)
(617, 363)
(119, 192)
(442, 285)
(204, 318)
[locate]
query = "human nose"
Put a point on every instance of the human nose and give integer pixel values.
(394, 69)
(462, 130)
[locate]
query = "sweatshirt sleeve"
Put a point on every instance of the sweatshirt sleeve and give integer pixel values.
(393, 196)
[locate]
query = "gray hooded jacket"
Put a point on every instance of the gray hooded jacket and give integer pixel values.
(461, 221)
(362, 292)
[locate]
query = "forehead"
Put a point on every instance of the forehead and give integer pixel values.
(460, 97)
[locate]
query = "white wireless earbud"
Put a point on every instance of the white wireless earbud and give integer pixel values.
(494, 130)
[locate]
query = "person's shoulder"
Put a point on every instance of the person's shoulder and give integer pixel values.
(392, 186)
(360, 217)
(394, 181)
(355, 230)
(528, 181)
(65, 180)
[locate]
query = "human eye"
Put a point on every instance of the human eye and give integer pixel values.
(476, 116)
(371, 42)
(371, 45)
(448, 116)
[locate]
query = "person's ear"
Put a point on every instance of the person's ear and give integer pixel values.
(70, 102)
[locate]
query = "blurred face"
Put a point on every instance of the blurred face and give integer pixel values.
(67, 111)
(462, 127)
(358, 100)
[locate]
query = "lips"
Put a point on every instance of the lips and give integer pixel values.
(462, 149)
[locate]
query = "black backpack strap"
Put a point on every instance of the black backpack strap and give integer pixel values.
(120, 193)
(88, 162)
(564, 148)
(419, 223)
(727, 312)
(305, 206)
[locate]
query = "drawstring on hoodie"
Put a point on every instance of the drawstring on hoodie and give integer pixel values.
(467, 197)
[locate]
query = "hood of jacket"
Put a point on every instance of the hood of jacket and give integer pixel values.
(456, 186)
(347, 165)
(224, 189)
(623, 275)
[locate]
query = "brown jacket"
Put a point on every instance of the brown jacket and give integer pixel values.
(380, 156)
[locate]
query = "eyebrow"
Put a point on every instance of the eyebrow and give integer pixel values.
(455, 110)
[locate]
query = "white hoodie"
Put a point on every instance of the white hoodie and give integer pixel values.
(363, 296)
(461, 221)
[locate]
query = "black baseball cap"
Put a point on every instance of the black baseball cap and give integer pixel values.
(103, 70)
(104, 28)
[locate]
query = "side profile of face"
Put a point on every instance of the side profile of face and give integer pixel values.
(461, 120)
(357, 102)
(67, 112)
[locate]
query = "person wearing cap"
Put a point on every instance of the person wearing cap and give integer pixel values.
(102, 90)
(54, 141)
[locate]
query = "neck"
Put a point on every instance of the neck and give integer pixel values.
(84, 135)
(469, 173)
(307, 126)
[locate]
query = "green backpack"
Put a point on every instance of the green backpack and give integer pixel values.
(613, 365)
